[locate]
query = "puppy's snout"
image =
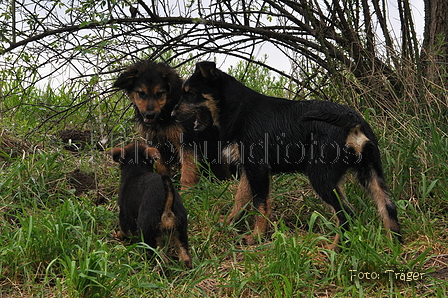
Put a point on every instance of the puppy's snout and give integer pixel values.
(149, 117)
(175, 112)
(174, 115)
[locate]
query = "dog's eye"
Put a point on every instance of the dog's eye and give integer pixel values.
(159, 94)
(141, 94)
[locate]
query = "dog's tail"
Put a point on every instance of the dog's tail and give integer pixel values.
(168, 217)
(347, 118)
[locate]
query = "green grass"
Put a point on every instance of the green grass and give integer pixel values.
(54, 243)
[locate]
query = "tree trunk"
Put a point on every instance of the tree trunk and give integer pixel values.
(435, 44)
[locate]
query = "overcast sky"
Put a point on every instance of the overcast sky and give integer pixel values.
(276, 57)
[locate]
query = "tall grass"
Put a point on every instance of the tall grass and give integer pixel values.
(54, 243)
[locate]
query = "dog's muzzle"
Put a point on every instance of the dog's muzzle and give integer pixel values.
(149, 117)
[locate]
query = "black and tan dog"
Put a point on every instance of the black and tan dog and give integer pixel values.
(154, 89)
(149, 204)
(268, 135)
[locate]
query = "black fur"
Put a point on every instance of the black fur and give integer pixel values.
(335, 114)
(143, 199)
(278, 135)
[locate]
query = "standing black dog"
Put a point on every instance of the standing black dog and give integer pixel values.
(149, 204)
(154, 89)
(268, 135)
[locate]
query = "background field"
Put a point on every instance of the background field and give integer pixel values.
(59, 212)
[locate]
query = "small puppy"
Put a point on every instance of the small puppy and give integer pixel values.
(149, 204)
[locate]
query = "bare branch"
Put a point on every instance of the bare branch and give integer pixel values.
(333, 39)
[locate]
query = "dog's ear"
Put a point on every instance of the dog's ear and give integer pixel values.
(125, 80)
(117, 153)
(208, 69)
(169, 87)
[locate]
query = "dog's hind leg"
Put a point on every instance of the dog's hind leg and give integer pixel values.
(326, 190)
(347, 208)
(261, 221)
(181, 244)
(128, 226)
(189, 173)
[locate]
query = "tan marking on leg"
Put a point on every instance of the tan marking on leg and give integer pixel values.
(242, 197)
(159, 244)
(261, 222)
(335, 245)
(341, 193)
(185, 257)
(118, 235)
(356, 139)
(182, 253)
(189, 171)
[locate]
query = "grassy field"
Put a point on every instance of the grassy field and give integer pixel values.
(59, 214)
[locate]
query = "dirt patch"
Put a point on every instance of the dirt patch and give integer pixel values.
(76, 140)
(440, 264)
(11, 147)
(218, 286)
(11, 215)
(83, 183)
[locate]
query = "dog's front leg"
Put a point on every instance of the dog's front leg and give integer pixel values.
(189, 173)
(258, 179)
(242, 197)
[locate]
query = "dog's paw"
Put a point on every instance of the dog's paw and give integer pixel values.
(116, 235)
(225, 220)
(333, 247)
(248, 240)
(222, 220)
(188, 263)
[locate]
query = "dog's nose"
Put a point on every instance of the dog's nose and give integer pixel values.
(174, 114)
(149, 116)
